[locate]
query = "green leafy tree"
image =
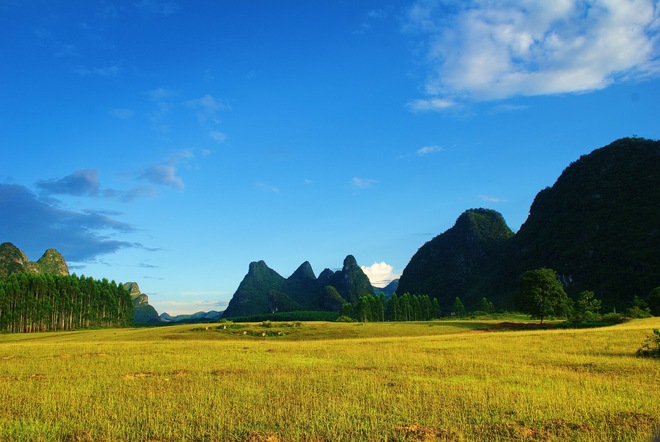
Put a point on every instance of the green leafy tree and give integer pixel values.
(639, 308)
(486, 306)
(458, 308)
(435, 305)
(541, 295)
(587, 307)
(392, 313)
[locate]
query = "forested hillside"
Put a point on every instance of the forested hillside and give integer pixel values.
(452, 263)
(41, 302)
(598, 226)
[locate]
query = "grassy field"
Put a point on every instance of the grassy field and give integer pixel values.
(445, 380)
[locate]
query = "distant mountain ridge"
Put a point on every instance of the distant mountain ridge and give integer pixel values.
(598, 226)
(210, 316)
(389, 289)
(263, 290)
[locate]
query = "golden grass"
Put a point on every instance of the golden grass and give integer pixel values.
(330, 382)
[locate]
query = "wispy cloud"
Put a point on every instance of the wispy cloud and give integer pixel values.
(86, 182)
(35, 223)
(217, 136)
(428, 150)
(363, 183)
(207, 108)
(158, 7)
(165, 172)
(430, 104)
(371, 18)
(160, 96)
(121, 113)
(105, 71)
(491, 199)
(79, 183)
(266, 187)
(496, 49)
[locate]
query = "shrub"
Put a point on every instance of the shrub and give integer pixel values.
(344, 318)
(651, 348)
(613, 318)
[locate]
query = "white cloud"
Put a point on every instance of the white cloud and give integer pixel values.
(122, 113)
(431, 104)
(428, 150)
(218, 136)
(207, 107)
(495, 49)
(266, 187)
(491, 199)
(363, 183)
(380, 273)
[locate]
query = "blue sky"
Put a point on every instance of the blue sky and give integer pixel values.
(171, 143)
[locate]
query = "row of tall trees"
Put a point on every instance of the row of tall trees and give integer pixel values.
(40, 302)
(397, 308)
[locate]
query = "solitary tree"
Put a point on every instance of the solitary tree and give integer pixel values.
(541, 295)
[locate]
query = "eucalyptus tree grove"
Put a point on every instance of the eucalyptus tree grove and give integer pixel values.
(42, 302)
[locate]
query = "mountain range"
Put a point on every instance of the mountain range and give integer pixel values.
(13, 260)
(263, 290)
(598, 226)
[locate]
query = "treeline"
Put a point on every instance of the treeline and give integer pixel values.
(41, 302)
(397, 308)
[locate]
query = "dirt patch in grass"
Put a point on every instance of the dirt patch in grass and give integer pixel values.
(229, 371)
(139, 375)
(262, 437)
(424, 433)
(513, 326)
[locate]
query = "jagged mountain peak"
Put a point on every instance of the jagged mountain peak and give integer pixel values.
(349, 262)
(53, 262)
(303, 272)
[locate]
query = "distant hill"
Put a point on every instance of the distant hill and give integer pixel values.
(265, 291)
(598, 226)
(143, 312)
(13, 260)
(388, 290)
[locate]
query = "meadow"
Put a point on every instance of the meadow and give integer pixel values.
(309, 381)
